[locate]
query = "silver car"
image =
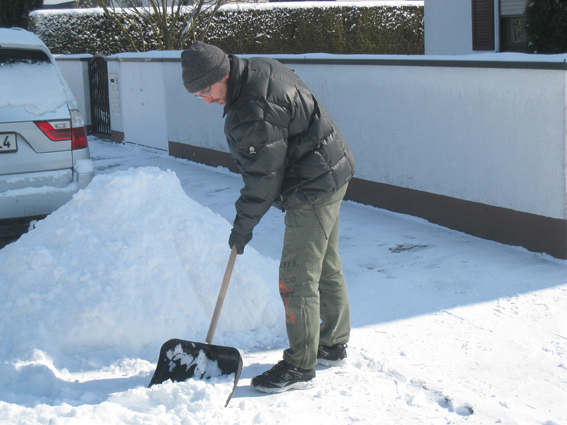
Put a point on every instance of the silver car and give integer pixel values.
(44, 154)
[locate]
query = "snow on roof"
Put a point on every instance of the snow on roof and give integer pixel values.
(18, 37)
(38, 88)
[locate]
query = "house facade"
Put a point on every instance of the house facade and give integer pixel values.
(58, 4)
(460, 27)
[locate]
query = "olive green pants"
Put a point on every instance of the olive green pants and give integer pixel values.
(312, 285)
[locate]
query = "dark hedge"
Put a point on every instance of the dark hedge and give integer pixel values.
(14, 13)
(546, 26)
(253, 30)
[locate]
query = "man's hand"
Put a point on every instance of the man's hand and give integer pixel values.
(236, 239)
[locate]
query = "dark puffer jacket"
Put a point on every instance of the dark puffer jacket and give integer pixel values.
(286, 146)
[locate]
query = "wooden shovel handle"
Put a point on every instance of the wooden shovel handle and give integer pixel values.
(222, 293)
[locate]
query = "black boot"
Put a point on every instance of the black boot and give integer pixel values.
(331, 356)
(284, 376)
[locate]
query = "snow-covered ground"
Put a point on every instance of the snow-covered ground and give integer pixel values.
(447, 328)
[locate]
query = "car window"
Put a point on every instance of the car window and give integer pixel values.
(12, 56)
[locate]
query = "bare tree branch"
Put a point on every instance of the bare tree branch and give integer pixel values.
(172, 22)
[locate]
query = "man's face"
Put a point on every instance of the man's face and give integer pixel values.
(215, 93)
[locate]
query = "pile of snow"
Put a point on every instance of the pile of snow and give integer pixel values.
(129, 263)
(446, 328)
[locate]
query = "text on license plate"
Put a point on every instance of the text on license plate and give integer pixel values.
(8, 142)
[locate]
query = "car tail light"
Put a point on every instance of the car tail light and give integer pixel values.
(55, 130)
(79, 137)
(65, 130)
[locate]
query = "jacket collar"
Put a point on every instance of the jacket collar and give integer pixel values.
(234, 83)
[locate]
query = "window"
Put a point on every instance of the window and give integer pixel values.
(483, 24)
(11, 56)
(513, 34)
(512, 26)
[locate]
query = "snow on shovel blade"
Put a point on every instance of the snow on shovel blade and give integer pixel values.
(180, 360)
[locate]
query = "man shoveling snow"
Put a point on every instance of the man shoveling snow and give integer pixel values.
(290, 155)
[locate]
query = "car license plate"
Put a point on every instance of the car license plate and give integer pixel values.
(8, 142)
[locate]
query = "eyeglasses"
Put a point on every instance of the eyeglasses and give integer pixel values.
(207, 93)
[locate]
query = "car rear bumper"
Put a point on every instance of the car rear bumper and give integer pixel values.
(12, 228)
(28, 197)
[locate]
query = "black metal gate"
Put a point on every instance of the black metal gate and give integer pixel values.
(100, 106)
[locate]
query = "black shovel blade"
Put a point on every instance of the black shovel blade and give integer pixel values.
(180, 360)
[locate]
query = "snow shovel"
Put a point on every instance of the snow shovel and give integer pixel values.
(180, 360)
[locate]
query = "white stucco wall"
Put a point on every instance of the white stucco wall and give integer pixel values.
(115, 95)
(143, 102)
(473, 128)
(448, 27)
(188, 121)
(493, 136)
(490, 135)
(75, 70)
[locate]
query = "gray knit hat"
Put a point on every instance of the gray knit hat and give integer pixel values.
(203, 65)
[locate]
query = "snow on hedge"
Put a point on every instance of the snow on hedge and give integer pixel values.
(373, 27)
